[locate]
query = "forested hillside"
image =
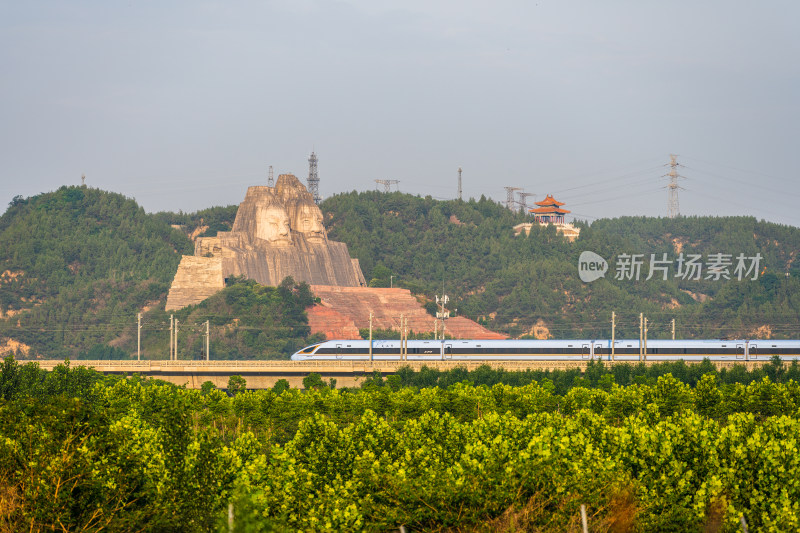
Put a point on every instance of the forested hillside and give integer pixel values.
(245, 320)
(78, 264)
(513, 283)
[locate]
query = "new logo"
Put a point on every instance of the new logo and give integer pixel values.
(591, 267)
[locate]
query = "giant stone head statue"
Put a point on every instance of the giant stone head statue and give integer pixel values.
(262, 216)
(304, 215)
(273, 225)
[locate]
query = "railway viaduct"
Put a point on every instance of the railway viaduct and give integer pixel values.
(264, 374)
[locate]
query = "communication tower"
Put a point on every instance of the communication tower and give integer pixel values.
(673, 207)
(459, 183)
(271, 177)
(387, 184)
(510, 196)
(313, 178)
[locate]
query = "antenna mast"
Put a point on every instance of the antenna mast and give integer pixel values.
(459, 183)
(271, 178)
(313, 178)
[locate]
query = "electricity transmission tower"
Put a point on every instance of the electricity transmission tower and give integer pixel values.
(673, 207)
(387, 184)
(313, 178)
(523, 200)
(510, 196)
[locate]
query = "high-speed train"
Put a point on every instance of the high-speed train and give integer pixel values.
(548, 350)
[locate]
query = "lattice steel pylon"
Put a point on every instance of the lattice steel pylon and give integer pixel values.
(271, 177)
(459, 183)
(523, 200)
(387, 184)
(510, 196)
(673, 206)
(313, 178)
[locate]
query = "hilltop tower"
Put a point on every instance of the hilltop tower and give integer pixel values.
(673, 207)
(313, 178)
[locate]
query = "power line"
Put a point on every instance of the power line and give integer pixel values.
(610, 180)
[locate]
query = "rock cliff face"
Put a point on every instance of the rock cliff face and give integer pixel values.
(277, 232)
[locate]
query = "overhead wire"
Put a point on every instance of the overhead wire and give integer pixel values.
(742, 171)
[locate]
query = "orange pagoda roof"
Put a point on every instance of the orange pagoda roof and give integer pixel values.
(549, 200)
(550, 210)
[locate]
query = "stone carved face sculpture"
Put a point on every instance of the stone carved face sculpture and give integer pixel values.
(304, 215)
(307, 220)
(272, 224)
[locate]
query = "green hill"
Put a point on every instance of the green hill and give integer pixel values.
(513, 283)
(78, 264)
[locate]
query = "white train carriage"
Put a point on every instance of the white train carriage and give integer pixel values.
(672, 350)
(451, 349)
(548, 350)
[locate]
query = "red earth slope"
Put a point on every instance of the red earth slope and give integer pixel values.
(346, 309)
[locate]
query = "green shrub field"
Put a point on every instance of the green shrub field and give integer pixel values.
(80, 451)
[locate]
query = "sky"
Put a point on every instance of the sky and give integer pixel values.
(182, 105)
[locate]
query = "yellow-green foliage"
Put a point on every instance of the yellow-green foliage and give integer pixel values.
(124, 455)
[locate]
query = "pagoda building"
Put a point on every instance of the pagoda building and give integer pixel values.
(549, 211)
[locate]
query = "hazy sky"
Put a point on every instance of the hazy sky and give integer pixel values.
(182, 105)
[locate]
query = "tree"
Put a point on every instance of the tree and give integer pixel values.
(207, 387)
(280, 386)
(236, 384)
(313, 381)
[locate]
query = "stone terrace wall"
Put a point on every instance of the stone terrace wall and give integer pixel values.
(197, 278)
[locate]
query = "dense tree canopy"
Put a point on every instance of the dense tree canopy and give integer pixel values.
(695, 451)
(80, 262)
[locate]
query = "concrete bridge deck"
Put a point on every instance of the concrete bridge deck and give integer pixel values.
(264, 374)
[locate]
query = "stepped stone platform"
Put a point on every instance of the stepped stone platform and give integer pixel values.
(344, 310)
(197, 278)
